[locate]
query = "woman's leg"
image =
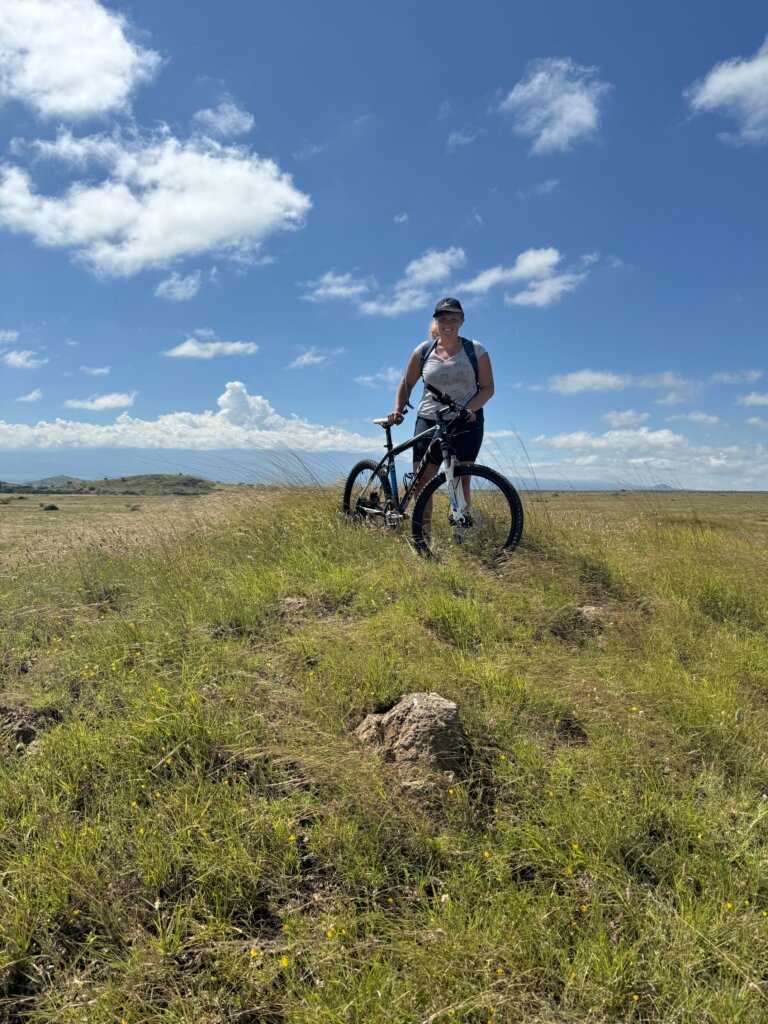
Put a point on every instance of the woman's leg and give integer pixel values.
(430, 471)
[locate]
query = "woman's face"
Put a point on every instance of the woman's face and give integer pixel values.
(449, 324)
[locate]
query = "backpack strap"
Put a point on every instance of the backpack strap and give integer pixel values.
(428, 347)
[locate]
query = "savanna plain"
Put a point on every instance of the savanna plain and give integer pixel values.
(189, 831)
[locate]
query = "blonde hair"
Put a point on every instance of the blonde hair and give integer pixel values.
(434, 331)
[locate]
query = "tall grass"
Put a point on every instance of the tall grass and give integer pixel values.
(190, 833)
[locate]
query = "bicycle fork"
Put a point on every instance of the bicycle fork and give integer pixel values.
(459, 504)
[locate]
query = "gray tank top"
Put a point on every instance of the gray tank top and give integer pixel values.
(454, 376)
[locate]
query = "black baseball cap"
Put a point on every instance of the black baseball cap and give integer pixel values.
(448, 306)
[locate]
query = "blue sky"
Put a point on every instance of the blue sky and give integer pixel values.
(224, 229)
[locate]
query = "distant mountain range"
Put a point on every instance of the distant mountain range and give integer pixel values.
(145, 483)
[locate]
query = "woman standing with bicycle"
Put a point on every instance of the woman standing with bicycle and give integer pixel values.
(458, 367)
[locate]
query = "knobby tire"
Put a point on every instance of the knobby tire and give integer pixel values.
(366, 488)
(497, 514)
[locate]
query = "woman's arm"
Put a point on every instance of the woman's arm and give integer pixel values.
(405, 387)
(485, 386)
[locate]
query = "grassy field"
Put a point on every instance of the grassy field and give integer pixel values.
(189, 832)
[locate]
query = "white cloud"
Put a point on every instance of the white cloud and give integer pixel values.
(97, 403)
(616, 440)
(557, 103)
(314, 357)
(546, 292)
(537, 266)
(69, 58)
(738, 88)
(629, 418)
(95, 371)
(679, 389)
(703, 419)
(225, 121)
(243, 421)
(178, 288)
(431, 267)
(754, 398)
(162, 199)
(543, 188)
(387, 378)
(588, 380)
(307, 151)
(401, 218)
(412, 291)
(463, 137)
(758, 421)
(6, 336)
(334, 286)
(741, 377)
(22, 359)
(33, 396)
(194, 349)
(533, 263)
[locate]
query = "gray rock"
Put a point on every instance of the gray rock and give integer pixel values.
(422, 732)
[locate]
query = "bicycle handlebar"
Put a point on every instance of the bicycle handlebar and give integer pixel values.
(447, 400)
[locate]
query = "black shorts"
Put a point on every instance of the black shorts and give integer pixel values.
(466, 439)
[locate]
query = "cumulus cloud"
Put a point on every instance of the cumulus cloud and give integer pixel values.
(33, 396)
(161, 199)
(314, 357)
(22, 359)
(413, 290)
(754, 398)
(588, 380)
(97, 403)
(636, 455)
(678, 389)
(628, 418)
(740, 377)
(703, 419)
(758, 421)
(224, 121)
(547, 292)
(8, 336)
(545, 287)
(243, 421)
(69, 58)
(616, 440)
(178, 288)
(557, 103)
(386, 378)
(737, 88)
(334, 286)
(533, 263)
(401, 218)
(194, 349)
(95, 371)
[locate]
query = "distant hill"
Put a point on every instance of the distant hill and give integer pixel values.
(146, 484)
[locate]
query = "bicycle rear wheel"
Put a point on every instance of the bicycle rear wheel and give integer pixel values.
(495, 522)
(366, 492)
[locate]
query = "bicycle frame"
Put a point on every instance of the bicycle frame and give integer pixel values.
(388, 468)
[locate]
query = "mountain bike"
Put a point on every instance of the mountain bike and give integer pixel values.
(486, 525)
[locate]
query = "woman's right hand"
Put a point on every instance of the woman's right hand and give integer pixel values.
(395, 417)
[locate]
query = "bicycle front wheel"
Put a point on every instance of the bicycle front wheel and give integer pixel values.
(366, 492)
(493, 525)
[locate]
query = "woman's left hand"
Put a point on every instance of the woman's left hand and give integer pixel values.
(470, 415)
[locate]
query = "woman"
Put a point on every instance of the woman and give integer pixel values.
(447, 366)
